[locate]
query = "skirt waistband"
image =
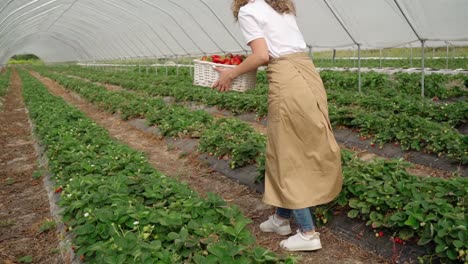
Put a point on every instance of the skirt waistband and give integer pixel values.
(289, 56)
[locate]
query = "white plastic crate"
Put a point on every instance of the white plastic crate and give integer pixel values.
(206, 75)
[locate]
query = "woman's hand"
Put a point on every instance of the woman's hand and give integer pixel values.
(258, 58)
(224, 81)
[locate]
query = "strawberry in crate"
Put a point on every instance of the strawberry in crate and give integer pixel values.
(206, 75)
(228, 59)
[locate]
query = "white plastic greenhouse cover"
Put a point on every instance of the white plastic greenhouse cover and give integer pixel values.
(88, 30)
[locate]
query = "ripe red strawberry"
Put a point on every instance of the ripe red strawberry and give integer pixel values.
(58, 190)
(216, 59)
(235, 61)
(381, 234)
(372, 145)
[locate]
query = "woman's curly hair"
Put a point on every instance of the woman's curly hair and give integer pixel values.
(280, 6)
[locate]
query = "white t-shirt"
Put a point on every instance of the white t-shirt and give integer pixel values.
(257, 19)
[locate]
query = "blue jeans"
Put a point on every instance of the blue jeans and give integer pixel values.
(302, 216)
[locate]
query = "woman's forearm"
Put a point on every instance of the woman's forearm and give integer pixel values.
(251, 63)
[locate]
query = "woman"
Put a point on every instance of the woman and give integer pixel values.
(303, 165)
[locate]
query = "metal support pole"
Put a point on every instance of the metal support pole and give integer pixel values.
(334, 56)
(453, 53)
(190, 68)
(177, 65)
(156, 67)
(380, 58)
(411, 56)
(139, 68)
(422, 67)
(341, 23)
(446, 57)
(359, 67)
(147, 66)
(354, 57)
(166, 65)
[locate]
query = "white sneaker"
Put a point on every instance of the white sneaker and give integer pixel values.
(302, 242)
(281, 227)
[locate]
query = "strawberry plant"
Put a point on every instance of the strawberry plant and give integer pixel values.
(120, 209)
(345, 109)
(435, 85)
(348, 109)
(179, 121)
(382, 192)
(233, 139)
(428, 210)
(241, 147)
(181, 90)
(398, 83)
(413, 132)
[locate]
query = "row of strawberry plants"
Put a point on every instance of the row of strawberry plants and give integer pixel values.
(180, 88)
(373, 99)
(384, 97)
(175, 120)
(453, 114)
(411, 132)
(454, 63)
(4, 82)
(358, 174)
(423, 210)
(379, 93)
(119, 208)
(440, 86)
(386, 122)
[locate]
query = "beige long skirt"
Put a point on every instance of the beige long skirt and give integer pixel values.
(303, 160)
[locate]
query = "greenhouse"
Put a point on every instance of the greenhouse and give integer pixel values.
(161, 131)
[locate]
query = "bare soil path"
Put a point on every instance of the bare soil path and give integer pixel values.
(24, 204)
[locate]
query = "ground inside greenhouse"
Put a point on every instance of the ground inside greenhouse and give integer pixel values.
(24, 204)
(172, 161)
(186, 167)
